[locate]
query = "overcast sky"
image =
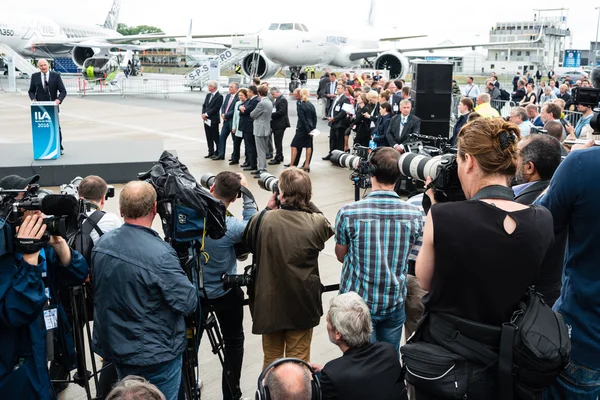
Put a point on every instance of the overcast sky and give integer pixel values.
(440, 19)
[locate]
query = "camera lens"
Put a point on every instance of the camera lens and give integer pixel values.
(268, 182)
(419, 167)
(344, 160)
(207, 180)
(335, 157)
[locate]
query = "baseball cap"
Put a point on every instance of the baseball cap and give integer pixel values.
(17, 182)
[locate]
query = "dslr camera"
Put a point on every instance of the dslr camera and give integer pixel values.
(358, 162)
(72, 189)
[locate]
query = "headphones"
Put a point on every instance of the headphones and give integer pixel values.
(262, 391)
(373, 169)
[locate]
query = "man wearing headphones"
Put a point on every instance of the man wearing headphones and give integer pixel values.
(288, 379)
(373, 239)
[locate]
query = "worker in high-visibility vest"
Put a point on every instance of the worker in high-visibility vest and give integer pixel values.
(312, 72)
(238, 69)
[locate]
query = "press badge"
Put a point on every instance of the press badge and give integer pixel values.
(372, 124)
(274, 110)
(395, 107)
(51, 318)
(337, 108)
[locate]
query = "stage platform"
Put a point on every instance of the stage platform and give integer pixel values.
(116, 161)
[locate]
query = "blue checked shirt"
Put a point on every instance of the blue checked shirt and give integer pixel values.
(379, 231)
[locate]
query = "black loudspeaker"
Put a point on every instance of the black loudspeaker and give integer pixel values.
(432, 106)
(432, 77)
(436, 127)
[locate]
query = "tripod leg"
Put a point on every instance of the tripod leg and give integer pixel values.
(81, 376)
(216, 342)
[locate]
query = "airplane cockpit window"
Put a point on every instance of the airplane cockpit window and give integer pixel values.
(273, 27)
(305, 28)
(286, 27)
(298, 27)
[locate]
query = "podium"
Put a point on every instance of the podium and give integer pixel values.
(45, 130)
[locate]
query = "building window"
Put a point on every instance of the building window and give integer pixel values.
(527, 53)
(492, 66)
(518, 53)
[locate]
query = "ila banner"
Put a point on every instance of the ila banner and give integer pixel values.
(45, 130)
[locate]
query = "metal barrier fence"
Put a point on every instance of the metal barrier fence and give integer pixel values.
(504, 107)
(125, 86)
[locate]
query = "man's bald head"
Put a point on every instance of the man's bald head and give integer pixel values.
(289, 381)
(137, 200)
(555, 129)
(43, 65)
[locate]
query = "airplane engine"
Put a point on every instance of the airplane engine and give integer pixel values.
(394, 62)
(80, 54)
(266, 68)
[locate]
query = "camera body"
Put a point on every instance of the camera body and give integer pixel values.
(358, 162)
(72, 189)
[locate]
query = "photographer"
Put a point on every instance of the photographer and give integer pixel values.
(31, 315)
(94, 189)
(140, 296)
(484, 281)
(228, 304)
(373, 238)
(286, 298)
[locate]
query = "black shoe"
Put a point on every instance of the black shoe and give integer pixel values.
(257, 172)
(244, 165)
(257, 176)
(233, 162)
(209, 155)
(324, 118)
(215, 158)
(62, 152)
(274, 162)
(326, 158)
(249, 168)
(269, 156)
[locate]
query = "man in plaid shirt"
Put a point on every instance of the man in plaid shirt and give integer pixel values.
(373, 239)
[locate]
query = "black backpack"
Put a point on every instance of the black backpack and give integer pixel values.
(504, 95)
(81, 240)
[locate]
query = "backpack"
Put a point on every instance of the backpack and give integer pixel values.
(81, 239)
(504, 95)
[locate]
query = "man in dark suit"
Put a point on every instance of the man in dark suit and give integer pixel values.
(401, 126)
(338, 121)
(322, 95)
(330, 92)
(47, 86)
(212, 117)
(227, 110)
(538, 157)
(246, 125)
(279, 122)
(366, 370)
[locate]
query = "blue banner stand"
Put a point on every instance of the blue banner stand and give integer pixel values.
(45, 130)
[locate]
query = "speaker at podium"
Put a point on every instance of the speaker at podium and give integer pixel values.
(45, 130)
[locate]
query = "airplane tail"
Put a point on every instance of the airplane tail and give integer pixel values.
(112, 18)
(371, 20)
(189, 35)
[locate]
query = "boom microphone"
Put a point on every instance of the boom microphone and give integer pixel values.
(595, 77)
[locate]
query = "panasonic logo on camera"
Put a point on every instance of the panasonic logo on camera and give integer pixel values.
(182, 219)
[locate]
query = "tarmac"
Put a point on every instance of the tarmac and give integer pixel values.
(176, 121)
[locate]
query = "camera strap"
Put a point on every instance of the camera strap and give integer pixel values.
(495, 192)
(29, 246)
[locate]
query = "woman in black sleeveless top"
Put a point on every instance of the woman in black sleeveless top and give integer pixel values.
(479, 256)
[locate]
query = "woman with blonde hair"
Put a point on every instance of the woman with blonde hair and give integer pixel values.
(307, 122)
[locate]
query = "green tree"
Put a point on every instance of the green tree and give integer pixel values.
(126, 30)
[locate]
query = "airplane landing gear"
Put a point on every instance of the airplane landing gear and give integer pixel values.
(294, 79)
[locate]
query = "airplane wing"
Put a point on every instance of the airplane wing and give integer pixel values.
(391, 39)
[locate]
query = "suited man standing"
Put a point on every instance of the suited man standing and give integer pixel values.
(330, 90)
(227, 110)
(246, 125)
(337, 121)
(47, 86)
(395, 97)
(322, 95)
(401, 126)
(365, 370)
(279, 122)
(262, 128)
(211, 116)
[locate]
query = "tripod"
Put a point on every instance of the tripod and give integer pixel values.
(192, 266)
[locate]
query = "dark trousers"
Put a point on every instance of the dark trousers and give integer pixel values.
(270, 149)
(212, 137)
(229, 310)
(251, 154)
(237, 144)
(336, 139)
(225, 131)
(278, 135)
(60, 135)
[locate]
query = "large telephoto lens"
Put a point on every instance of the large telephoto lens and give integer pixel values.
(207, 180)
(419, 167)
(344, 160)
(268, 182)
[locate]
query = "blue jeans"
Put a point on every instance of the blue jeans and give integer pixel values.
(388, 327)
(576, 382)
(225, 131)
(166, 376)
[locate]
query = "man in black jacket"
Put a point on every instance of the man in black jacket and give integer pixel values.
(401, 126)
(279, 122)
(518, 94)
(47, 86)
(322, 95)
(366, 370)
(246, 125)
(227, 110)
(338, 121)
(211, 117)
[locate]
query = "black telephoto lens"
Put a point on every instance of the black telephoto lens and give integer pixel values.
(207, 180)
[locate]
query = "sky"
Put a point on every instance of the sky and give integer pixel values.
(439, 19)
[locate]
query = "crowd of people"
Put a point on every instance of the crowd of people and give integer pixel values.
(530, 219)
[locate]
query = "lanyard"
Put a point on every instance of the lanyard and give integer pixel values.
(495, 192)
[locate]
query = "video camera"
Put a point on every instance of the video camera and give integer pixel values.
(590, 97)
(537, 129)
(72, 188)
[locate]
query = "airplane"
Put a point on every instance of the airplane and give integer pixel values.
(293, 45)
(90, 46)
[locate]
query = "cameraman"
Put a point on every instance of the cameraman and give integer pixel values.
(94, 189)
(286, 298)
(228, 304)
(507, 242)
(30, 312)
